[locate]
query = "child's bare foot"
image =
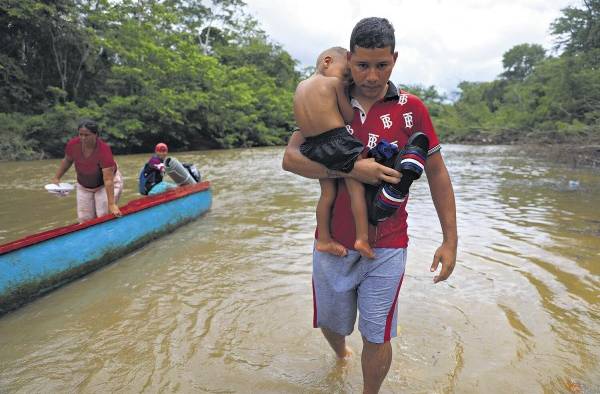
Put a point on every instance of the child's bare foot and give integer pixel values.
(364, 249)
(332, 247)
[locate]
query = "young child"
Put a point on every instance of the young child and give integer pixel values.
(322, 109)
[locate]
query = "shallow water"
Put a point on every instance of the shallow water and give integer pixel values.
(224, 304)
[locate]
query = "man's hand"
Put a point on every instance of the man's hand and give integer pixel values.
(368, 171)
(446, 255)
(55, 181)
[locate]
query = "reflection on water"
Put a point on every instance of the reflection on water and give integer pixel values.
(224, 304)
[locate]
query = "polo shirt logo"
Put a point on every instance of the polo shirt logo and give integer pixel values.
(386, 120)
(350, 129)
(403, 99)
(372, 140)
(408, 120)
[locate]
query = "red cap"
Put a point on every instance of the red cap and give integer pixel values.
(161, 147)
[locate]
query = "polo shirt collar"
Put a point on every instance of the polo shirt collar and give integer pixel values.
(390, 94)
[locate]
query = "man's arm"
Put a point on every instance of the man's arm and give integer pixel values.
(296, 162)
(366, 171)
(443, 199)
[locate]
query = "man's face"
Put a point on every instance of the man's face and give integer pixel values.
(371, 69)
(162, 154)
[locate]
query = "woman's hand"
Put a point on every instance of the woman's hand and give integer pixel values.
(65, 164)
(114, 209)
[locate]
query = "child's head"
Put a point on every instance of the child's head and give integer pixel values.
(161, 150)
(333, 62)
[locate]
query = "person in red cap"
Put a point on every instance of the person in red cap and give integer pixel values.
(154, 170)
(158, 158)
(161, 150)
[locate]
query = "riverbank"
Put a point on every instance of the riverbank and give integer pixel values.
(580, 149)
(575, 149)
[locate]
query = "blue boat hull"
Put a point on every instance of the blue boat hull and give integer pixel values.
(28, 272)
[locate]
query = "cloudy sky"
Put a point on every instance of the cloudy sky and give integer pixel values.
(440, 42)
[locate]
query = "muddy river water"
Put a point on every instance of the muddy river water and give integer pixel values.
(224, 304)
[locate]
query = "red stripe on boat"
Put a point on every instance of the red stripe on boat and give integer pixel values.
(390, 316)
(131, 207)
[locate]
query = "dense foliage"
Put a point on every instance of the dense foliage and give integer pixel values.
(194, 74)
(537, 95)
(202, 74)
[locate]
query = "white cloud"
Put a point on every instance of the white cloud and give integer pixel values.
(440, 42)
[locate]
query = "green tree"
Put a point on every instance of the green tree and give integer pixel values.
(47, 52)
(520, 60)
(538, 94)
(578, 29)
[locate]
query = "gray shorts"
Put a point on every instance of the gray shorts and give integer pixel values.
(343, 284)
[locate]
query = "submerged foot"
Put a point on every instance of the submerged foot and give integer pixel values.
(364, 249)
(346, 355)
(332, 247)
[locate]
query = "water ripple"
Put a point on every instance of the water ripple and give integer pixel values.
(224, 304)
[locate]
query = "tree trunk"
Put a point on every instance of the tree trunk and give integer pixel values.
(80, 70)
(62, 72)
(206, 39)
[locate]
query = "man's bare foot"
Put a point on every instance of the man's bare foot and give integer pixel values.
(348, 353)
(332, 247)
(364, 249)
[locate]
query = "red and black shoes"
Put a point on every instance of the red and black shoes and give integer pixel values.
(410, 161)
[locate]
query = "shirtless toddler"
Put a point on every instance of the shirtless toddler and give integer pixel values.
(322, 109)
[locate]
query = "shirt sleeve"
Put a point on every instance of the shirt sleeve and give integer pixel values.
(425, 125)
(106, 158)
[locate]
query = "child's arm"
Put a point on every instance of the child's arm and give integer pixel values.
(343, 102)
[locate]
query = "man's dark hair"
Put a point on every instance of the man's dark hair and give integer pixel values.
(88, 124)
(373, 33)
